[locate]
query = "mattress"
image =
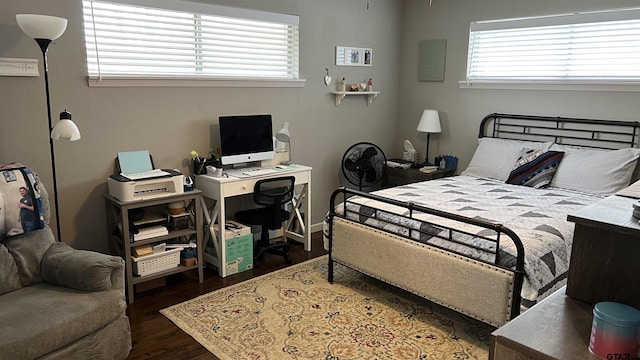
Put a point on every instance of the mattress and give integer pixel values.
(537, 216)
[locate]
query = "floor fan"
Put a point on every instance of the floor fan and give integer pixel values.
(364, 165)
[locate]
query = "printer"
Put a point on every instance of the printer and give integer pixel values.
(127, 184)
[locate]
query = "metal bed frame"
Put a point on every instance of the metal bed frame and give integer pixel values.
(601, 134)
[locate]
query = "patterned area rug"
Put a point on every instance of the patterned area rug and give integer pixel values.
(294, 313)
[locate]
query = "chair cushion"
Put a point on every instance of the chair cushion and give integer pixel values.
(78, 269)
(27, 251)
(9, 278)
(41, 318)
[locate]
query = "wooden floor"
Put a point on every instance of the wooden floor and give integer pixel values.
(155, 337)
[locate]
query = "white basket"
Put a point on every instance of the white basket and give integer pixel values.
(151, 264)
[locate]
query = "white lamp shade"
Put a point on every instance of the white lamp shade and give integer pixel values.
(284, 135)
(65, 128)
(42, 26)
(429, 122)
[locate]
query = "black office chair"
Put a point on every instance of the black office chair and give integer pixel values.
(272, 194)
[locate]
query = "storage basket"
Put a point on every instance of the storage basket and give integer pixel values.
(152, 264)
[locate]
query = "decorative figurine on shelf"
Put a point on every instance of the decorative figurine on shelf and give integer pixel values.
(370, 85)
(354, 87)
(343, 85)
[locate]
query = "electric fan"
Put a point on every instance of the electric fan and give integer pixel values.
(364, 165)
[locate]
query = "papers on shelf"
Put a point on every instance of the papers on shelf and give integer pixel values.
(146, 174)
(428, 169)
(399, 163)
(150, 232)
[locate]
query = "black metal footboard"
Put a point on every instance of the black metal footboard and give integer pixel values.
(442, 230)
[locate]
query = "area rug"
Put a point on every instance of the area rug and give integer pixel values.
(294, 313)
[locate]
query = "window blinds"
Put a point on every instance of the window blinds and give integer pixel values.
(587, 46)
(183, 39)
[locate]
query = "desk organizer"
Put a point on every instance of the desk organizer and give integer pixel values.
(152, 264)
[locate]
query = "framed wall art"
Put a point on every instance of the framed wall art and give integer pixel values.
(353, 56)
(431, 60)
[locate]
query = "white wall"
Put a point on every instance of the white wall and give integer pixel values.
(462, 109)
(169, 122)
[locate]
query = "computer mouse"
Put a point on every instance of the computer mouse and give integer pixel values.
(280, 167)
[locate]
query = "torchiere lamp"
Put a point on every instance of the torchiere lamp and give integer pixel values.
(44, 29)
(284, 136)
(429, 123)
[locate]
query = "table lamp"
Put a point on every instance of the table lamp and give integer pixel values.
(284, 136)
(429, 123)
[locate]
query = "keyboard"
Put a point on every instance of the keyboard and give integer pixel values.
(259, 171)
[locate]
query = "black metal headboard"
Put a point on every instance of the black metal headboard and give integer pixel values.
(593, 133)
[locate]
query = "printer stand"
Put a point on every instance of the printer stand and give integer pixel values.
(121, 238)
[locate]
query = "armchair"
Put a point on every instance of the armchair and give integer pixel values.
(57, 302)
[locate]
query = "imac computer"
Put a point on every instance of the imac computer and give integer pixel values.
(245, 139)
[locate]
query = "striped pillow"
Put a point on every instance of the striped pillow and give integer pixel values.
(535, 168)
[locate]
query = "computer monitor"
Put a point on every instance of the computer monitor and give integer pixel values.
(245, 138)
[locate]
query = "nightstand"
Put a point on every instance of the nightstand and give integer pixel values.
(605, 253)
(397, 176)
(558, 327)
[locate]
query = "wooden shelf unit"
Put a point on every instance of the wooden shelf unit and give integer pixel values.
(118, 232)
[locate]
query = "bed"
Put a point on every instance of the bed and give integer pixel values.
(494, 240)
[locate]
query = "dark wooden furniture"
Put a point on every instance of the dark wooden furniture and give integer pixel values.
(604, 257)
(556, 328)
(398, 176)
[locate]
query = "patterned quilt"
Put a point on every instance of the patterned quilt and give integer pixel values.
(537, 216)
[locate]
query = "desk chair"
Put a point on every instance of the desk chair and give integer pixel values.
(271, 194)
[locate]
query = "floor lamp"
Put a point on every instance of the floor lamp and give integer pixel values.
(284, 136)
(44, 29)
(429, 123)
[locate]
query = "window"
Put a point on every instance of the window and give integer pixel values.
(586, 47)
(183, 40)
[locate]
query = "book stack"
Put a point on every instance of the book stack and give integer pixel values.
(150, 232)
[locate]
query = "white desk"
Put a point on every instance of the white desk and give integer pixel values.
(221, 188)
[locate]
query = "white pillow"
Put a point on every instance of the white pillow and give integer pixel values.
(602, 172)
(494, 158)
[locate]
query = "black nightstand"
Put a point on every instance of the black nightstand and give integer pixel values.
(397, 176)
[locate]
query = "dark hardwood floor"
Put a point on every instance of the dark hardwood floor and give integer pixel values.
(155, 337)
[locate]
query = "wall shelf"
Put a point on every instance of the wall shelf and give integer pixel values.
(342, 94)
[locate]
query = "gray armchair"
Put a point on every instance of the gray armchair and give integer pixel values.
(57, 302)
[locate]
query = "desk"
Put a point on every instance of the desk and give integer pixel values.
(219, 189)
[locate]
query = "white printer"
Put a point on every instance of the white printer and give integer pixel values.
(125, 189)
(130, 184)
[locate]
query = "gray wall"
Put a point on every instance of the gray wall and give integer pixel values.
(171, 121)
(462, 109)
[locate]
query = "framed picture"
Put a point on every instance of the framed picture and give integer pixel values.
(431, 60)
(353, 56)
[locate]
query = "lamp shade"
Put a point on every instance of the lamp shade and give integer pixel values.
(42, 26)
(65, 128)
(284, 135)
(429, 122)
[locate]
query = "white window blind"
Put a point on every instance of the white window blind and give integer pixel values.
(596, 46)
(170, 38)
